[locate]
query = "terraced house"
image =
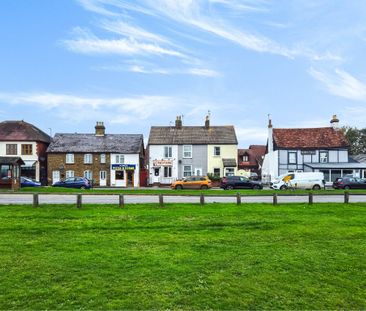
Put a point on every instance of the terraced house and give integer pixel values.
(175, 152)
(114, 160)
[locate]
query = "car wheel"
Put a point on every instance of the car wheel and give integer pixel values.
(347, 187)
(316, 187)
(178, 187)
(82, 187)
(229, 188)
(204, 187)
(283, 187)
(256, 187)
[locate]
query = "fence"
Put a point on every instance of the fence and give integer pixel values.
(120, 199)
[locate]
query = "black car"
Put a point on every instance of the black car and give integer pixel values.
(349, 183)
(239, 182)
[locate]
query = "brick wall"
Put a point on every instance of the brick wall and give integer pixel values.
(55, 160)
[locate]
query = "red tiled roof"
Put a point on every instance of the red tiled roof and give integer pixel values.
(324, 137)
(255, 154)
(21, 131)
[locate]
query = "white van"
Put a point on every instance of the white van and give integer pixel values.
(308, 180)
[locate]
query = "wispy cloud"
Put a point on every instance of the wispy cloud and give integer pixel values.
(341, 83)
(88, 43)
(80, 108)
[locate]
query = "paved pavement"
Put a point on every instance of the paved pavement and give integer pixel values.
(113, 199)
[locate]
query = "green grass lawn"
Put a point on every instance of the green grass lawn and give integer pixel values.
(155, 191)
(219, 256)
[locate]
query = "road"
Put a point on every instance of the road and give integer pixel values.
(113, 199)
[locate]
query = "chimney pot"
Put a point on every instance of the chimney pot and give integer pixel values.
(207, 122)
(335, 122)
(99, 129)
(178, 122)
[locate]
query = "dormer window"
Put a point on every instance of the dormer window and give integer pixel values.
(245, 158)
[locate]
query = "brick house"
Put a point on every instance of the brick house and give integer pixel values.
(24, 140)
(250, 160)
(323, 149)
(113, 160)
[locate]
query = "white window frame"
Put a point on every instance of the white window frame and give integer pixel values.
(88, 158)
(103, 158)
(187, 154)
(168, 152)
(103, 173)
(289, 157)
(69, 174)
(321, 159)
(245, 158)
(187, 173)
(120, 159)
(88, 174)
(70, 158)
(219, 151)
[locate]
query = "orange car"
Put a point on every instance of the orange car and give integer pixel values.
(193, 182)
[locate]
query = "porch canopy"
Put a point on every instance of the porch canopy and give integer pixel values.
(229, 162)
(11, 161)
(337, 166)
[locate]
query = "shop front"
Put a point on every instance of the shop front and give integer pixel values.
(123, 175)
(162, 172)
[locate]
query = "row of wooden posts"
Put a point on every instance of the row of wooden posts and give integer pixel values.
(121, 202)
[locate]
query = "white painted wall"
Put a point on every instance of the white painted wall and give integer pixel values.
(156, 152)
(129, 159)
(32, 157)
(270, 166)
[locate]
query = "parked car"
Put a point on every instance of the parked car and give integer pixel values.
(28, 182)
(193, 182)
(239, 182)
(74, 182)
(301, 180)
(349, 183)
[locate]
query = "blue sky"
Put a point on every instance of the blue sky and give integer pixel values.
(133, 64)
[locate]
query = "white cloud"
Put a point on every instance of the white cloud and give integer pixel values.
(94, 45)
(79, 108)
(258, 134)
(341, 83)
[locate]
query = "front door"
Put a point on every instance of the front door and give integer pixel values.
(130, 175)
(120, 176)
(102, 178)
(55, 176)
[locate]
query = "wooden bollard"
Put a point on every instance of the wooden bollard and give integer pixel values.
(161, 200)
(121, 201)
(346, 197)
(275, 201)
(78, 201)
(202, 199)
(35, 200)
(238, 199)
(311, 198)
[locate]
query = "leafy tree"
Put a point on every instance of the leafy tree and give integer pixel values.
(356, 138)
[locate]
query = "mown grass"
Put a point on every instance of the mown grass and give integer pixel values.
(219, 256)
(210, 192)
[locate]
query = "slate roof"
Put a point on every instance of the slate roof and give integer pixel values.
(360, 158)
(311, 138)
(21, 131)
(116, 143)
(192, 135)
(229, 162)
(11, 160)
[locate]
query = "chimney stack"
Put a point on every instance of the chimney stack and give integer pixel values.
(335, 122)
(178, 122)
(207, 122)
(99, 129)
(270, 136)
